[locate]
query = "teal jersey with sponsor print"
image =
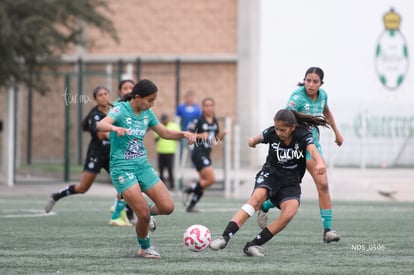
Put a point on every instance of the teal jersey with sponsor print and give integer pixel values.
(129, 149)
(301, 103)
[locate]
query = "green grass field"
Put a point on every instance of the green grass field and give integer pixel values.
(376, 239)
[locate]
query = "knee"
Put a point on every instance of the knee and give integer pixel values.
(287, 216)
(212, 177)
(289, 209)
(290, 213)
(143, 214)
(166, 209)
(210, 180)
(82, 189)
(169, 209)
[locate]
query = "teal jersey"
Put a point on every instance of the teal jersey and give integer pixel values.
(301, 103)
(129, 150)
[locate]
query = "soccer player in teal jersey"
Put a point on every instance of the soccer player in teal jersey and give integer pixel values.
(131, 171)
(121, 212)
(309, 98)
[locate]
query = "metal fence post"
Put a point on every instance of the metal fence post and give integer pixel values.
(67, 129)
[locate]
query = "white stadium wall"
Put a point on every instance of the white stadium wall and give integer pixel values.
(369, 74)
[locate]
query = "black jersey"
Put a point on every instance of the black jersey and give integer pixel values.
(94, 116)
(201, 125)
(287, 161)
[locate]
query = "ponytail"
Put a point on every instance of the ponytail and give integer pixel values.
(126, 97)
(291, 117)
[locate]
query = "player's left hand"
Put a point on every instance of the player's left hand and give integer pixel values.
(339, 139)
(191, 137)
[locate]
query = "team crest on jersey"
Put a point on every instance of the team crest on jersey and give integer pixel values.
(145, 120)
(134, 150)
(96, 117)
(206, 161)
(296, 146)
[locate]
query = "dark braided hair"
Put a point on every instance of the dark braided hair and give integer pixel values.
(291, 117)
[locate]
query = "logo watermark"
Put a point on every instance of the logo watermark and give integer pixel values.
(75, 99)
(210, 140)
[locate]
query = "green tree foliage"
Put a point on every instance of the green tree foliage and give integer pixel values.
(33, 34)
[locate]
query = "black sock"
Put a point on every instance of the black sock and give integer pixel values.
(198, 193)
(230, 230)
(193, 188)
(68, 190)
(262, 237)
(196, 188)
(195, 198)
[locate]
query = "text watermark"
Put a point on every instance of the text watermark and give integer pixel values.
(368, 247)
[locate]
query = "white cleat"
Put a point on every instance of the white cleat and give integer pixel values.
(149, 253)
(331, 236)
(253, 250)
(218, 243)
(49, 205)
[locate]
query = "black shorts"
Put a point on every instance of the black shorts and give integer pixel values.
(200, 159)
(279, 191)
(96, 160)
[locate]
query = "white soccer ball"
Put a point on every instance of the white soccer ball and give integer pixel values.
(197, 237)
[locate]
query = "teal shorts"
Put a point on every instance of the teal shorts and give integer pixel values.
(124, 177)
(315, 134)
(318, 146)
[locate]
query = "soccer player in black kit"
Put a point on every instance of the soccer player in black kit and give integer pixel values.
(207, 132)
(280, 177)
(97, 156)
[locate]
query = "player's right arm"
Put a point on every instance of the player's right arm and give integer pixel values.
(106, 125)
(253, 141)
